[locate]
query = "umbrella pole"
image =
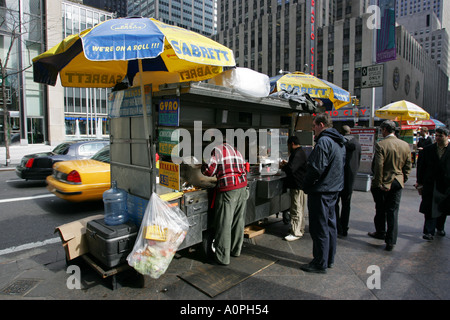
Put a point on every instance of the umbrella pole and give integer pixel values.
(148, 137)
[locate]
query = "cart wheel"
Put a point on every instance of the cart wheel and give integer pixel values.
(286, 217)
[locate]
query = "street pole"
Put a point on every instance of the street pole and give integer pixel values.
(374, 61)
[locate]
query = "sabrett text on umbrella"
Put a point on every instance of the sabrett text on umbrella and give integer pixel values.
(187, 49)
(76, 77)
(199, 72)
(297, 89)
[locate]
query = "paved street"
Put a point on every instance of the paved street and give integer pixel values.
(415, 270)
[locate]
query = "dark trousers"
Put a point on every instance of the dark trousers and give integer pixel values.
(343, 216)
(322, 227)
(431, 224)
(387, 204)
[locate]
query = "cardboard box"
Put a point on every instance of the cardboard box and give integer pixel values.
(73, 236)
(253, 231)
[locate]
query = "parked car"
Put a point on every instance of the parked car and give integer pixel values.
(40, 165)
(81, 180)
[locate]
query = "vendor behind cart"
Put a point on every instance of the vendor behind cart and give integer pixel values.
(227, 164)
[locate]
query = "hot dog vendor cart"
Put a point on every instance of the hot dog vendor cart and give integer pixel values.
(194, 108)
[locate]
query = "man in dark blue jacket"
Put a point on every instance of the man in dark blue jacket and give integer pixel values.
(323, 181)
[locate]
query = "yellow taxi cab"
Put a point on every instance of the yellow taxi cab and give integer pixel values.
(81, 180)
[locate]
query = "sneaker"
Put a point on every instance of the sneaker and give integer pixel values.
(427, 237)
(441, 233)
(213, 249)
(291, 237)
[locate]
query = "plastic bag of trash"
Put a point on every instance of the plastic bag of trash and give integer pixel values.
(162, 231)
(245, 81)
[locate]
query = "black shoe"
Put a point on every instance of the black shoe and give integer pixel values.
(330, 265)
(441, 233)
(312, 268)
(342, 234)
(215, 261)
(389, 247)
(377, 235)
(428, 237)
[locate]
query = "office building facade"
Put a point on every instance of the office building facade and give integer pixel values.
(117, 7)
(196, 15)
(273, 35)
(427, 29)
(347, 46)
(441, 8)
(21, 38)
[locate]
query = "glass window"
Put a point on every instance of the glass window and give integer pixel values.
(34, 103)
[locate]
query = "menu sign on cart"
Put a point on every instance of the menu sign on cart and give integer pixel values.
(128, 102)
(169, 175)
(169, 112)
(167, 140)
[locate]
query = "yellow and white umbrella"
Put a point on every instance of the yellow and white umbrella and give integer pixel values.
(299, 82)
(402, 111)
(102, 56)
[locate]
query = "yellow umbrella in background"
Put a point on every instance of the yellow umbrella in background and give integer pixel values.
(299, 82)
(402, 111)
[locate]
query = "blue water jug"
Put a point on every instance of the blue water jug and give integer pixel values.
(115, 201)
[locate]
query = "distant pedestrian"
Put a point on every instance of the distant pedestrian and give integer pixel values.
(391, 167)
(323, 181)
(295, 170)
(433, 183)
(351, 167)
(425, 139)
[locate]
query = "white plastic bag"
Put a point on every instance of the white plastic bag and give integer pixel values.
(162, 231)
(245, 81)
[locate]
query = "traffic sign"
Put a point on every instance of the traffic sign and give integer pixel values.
(372, 76)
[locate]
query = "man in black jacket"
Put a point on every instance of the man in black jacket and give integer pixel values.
(433, 183)
(351, 167)
(322, 183)
(424, 140)
(295, 170)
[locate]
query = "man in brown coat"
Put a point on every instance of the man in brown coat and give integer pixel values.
(391, 167)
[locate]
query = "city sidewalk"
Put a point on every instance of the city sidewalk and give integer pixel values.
(16, 153)
(415, 270)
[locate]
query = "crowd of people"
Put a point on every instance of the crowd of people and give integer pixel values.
(323, 183)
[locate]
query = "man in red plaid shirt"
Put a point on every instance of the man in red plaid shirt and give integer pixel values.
(227, 164)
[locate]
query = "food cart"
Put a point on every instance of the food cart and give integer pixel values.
(185, 106)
